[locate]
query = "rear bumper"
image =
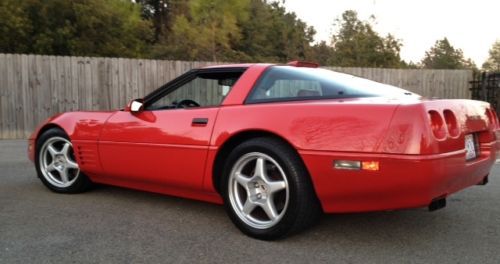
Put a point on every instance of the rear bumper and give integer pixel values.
(403, 181)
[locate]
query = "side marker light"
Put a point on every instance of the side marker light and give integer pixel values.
(356, 165)
(347, 164)
(370, 165)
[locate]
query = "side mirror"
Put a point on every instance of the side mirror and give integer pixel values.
(135, 106)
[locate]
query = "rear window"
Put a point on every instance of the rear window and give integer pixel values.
(285, 83)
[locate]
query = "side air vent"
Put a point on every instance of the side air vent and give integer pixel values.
(87, 155)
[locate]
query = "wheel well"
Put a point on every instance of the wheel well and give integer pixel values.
(229, 145)
(45, 128)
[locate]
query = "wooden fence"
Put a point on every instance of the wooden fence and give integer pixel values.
(34, 87)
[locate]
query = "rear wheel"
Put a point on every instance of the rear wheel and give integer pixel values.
(56, 164)
(267, 190)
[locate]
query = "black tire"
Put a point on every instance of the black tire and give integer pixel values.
(79, 181)
(303, 208)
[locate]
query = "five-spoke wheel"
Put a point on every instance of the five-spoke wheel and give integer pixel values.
(258, 190)
(266, 189)
(56, 164)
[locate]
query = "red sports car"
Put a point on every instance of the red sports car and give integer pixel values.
(276, 144)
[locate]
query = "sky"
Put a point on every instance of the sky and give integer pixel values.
(472, 26)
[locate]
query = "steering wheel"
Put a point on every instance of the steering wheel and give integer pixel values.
(187, 103)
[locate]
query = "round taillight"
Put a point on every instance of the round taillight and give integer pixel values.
(495, 117)
(451, 123)
(437, 125)
(491, 119)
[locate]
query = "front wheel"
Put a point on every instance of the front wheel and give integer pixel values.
(56, 164)
(267, 190)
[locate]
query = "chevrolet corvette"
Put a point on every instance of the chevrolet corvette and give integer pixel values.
(277, 145)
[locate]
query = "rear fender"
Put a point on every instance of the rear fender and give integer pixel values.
(410, 131)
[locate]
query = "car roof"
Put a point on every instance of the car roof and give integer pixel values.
(235, 65)
(248, 65)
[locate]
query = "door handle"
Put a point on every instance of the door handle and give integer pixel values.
(199, 121)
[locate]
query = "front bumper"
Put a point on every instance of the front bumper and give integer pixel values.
(403, 181)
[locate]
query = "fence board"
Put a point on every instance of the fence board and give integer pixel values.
(34, 87)
(18, 96)
(3, 94)
(8, 97)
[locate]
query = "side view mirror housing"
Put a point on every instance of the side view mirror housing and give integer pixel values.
(135, 106)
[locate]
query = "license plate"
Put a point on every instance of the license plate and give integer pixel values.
(470, 147)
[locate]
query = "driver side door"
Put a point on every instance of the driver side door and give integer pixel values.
(167, 142)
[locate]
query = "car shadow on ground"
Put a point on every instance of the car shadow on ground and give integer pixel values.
(369, 226)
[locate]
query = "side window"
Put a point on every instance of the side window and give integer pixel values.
(282, 84)
(285, 83)
(204, 90)
(293, 88)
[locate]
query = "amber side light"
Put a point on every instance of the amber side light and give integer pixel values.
(370, 165)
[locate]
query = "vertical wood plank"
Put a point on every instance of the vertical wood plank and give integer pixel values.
(10, 96)
(30, 94)
(90, 77)
(73, 61)
(19, 94)
(3, 96)
(45, 89)
(96, 67)
(27, 105)
(115, 98)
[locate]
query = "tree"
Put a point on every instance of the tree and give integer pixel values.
(493, 61)
(208, 32)
(15, 27)
(162, 14)
(249, 30)
(255, 44)
(286, 37)
(444, 56)
(356, 44)
(79, 27)
(322, 53)
(273, 34)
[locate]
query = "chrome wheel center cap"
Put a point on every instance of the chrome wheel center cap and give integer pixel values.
(60, 162)
(258, 191)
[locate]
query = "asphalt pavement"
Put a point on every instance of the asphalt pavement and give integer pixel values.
(115, 225)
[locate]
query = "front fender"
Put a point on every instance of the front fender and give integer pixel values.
(79, 126)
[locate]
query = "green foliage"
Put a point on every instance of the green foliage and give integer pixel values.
(78, 27)
(209, 30)
(322, 53)
(493, 61)
(410, 65)
(163, 13)
(356, 44)
(207, 33)
(272, 34)
(15, 27)
(444, 56)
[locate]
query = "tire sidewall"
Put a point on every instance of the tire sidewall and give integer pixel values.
(291, 173)
(79, 185)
